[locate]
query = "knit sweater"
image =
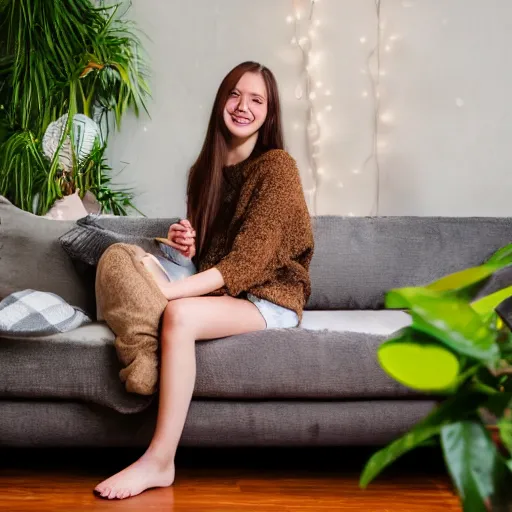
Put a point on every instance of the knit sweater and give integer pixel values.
(262, 240)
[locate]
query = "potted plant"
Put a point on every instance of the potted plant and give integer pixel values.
(68, 70)
(459, 347)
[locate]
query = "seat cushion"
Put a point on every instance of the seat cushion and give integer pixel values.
(79, 364)
(383, 322)
(322, 360)
(331, 355)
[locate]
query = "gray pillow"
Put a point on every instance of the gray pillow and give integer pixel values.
(93, 234)
(31, 257)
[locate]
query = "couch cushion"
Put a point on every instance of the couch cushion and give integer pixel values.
(79, 364)
(357, 259)
(32, 257)
(315, 361)
(383, 322)
(275, 364)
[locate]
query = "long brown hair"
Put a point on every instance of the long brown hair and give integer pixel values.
(205, 181)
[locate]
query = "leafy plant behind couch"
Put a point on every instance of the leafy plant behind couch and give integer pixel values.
(58, 57)
(458, 346)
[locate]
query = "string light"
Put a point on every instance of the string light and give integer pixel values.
(375, 89)
(312, 90)
(309, 25)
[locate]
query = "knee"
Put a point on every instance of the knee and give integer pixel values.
(176, 314)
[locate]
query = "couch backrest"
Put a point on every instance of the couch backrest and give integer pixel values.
(358, 259)
(31, 257)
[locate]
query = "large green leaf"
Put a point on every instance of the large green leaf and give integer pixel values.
(464, 279)
(476, 467)
(503, 255)
(418, 361)
(449, 319)
(454, 409)
(486, 305)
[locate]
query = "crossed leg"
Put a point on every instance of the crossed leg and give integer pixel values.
(185, 321)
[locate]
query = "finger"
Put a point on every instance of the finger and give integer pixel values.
(174, 230)
(177, 227)
(170, 243)
(186, 223)
(184, 241)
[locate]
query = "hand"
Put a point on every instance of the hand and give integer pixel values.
(181, 236)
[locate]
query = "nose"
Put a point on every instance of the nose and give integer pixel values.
(242, 104)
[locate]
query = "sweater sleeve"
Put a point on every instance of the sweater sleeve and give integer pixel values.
(276, 199)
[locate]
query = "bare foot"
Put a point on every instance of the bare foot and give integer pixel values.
(143, 474)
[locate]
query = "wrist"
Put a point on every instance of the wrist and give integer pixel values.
(169, 290)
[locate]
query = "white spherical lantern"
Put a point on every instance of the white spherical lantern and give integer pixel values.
(85, 133)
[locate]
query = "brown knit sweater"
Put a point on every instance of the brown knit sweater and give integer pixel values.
(262, 239)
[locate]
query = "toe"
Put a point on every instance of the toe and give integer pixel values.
(126, 494)
(120, 493)
(112, 494)
(105, 492)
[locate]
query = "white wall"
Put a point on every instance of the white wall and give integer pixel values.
(445, 102)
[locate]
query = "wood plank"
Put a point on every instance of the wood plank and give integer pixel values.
(225, 481)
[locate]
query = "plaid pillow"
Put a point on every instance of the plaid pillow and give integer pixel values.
(37, 313)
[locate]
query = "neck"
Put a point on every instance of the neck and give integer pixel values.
(240, 149)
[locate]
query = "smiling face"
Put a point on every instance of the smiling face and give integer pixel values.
(246, 107)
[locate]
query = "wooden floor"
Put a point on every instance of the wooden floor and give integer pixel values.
(215, 480)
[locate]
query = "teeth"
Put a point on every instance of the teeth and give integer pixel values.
(241, 121)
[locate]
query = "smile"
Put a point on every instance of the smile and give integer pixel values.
(242, 121)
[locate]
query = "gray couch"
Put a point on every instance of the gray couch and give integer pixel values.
(318, 384)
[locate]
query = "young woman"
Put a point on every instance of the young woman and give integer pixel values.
(248, 234)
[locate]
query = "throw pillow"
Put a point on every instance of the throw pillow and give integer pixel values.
(35, 313)
(93, 234)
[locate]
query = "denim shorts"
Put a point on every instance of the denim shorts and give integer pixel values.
(276, 317)
(179, 267)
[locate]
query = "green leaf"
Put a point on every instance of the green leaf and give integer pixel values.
(463, 279)
(418, 361)
(503, 255)
(449, 319)
(487, 305)
(475, 465)
(454, 409)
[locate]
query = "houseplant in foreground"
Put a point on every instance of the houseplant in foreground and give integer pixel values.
(459, 346)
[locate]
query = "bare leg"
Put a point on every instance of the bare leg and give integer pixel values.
(219, 317)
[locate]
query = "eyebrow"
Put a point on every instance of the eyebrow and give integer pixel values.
(254, 94)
